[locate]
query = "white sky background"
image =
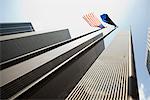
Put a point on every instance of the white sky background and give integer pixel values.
(61, 14)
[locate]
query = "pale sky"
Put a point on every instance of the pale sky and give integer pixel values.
(61, 14)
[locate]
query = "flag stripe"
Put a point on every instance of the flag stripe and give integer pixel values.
(88, 21)
(96, 21)
(92, 20)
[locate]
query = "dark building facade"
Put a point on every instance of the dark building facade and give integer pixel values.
(14, 28)
(72, 69)
(52, 57)
(14, 46)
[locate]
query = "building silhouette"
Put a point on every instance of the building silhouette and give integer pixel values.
(52, 65)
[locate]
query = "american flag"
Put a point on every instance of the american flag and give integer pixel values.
(92, 20)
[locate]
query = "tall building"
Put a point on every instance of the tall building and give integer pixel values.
(112, 76)
(17, 49)
(78, 68)
(45, 61)
(148, 51)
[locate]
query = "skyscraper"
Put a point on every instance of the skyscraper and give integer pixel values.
(112, 76)
(63, 61)
(77, 68)
(148, 51)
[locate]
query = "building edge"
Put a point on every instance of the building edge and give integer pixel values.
(133, 93)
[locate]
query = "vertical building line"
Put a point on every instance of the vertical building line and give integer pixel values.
(132, 84)
(147, 58)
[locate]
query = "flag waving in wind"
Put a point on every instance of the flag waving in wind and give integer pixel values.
(106, 19)
(93, 21)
